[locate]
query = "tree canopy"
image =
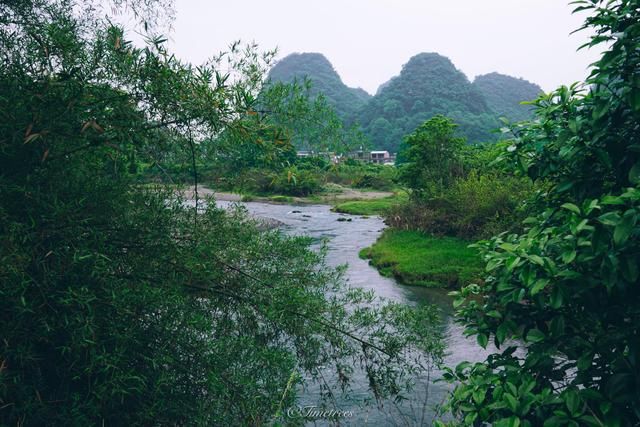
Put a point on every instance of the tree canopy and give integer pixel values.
(505, 94)
(561, 300)
(324, 80)
(432, 157)
(123, 304)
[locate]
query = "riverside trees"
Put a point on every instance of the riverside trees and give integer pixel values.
(121, 306)
(567, 288)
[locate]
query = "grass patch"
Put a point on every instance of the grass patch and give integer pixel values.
(371, 206)
(281, 199)
(415, 258)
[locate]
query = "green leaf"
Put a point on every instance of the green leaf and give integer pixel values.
(573, 402)
(623, 230)
(470, 418)
(509, 247)
(564, 186)
(584, 362)
(501, 332)
(479, 395)
(612, 200)
(634, 174)
(483, 340)
(511, 402)
(535, 335)
(556, 298)
(539, 285)
(536, 259)
(571, 207)
(569, 256)
(601, 108)
(610, 218)
(629, 268)
(557, 326)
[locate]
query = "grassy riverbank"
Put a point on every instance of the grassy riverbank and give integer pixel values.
(375, 206)
(415, 258)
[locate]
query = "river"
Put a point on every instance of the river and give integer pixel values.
(344, 240)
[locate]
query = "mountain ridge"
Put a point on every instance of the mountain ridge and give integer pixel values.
(428, 84)
(325, 79)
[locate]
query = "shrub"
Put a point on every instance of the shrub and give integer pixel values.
(362, 175)
(561, 301)
(294, 183)
(473, 207)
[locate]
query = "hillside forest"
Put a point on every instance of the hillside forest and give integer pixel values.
(428, 84)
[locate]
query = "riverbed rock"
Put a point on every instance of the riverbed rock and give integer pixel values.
(266, 223)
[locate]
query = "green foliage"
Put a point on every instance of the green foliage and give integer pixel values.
(121, 305)
(505, 94)
(458, 190)
(370, 207)
(432, 157)
(428, 85)
(472, 207)
(294, 183)
(362, 175)
(324, 80)
(306, 176)
(566, 290)
(415, 258)
(288, 182)
(306, 118)
(286, 117)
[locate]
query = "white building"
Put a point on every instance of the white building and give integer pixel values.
(380, 157)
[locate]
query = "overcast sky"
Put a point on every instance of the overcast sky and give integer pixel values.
(368, 41)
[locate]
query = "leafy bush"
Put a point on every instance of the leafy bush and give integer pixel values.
(352, 173)
(561, 300)
(431, 157)
(288, 182)
(119, 304)
(473, 207)
(294, 182)
(377, 181)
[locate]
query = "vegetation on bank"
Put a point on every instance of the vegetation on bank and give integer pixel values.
(560, 300)
(120, 304)
(373, 206)
(414, 258)
(300, 177)
(458, 190)
(428, 84)
(324, 80)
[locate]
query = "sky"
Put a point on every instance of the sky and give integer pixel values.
(368, 41)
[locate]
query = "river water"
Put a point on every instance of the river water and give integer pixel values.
(344, 240)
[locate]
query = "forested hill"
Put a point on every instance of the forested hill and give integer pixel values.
(428, 84)
(346, 101)
(504, 95)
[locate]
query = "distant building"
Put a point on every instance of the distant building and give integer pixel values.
(380, 157)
